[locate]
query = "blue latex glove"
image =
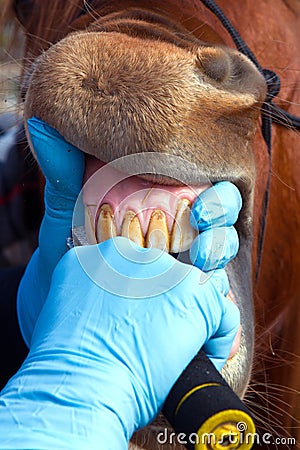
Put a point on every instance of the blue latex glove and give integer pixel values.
(214, 213)
(63, 167)
(119, 325)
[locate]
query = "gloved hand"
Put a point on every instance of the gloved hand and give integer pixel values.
(63, 167)
(213, 214)
(119, 325)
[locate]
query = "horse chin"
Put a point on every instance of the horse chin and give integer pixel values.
(118, 96)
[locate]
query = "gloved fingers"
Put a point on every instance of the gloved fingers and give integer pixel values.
(61, 162)
(218, 347)
(121, 267)
(218, 206)
(214, 248)
(63, 167)
(218, 278)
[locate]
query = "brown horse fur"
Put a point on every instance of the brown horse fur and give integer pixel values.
(163, 48)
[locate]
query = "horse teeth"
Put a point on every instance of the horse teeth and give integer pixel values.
(182, 234)
(106, 227)
(131, 228)
(158, 234)
(89, 225)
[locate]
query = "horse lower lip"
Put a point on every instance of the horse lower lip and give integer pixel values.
(236, 343)
(237, 340)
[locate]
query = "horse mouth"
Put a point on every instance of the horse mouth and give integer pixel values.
(136, 207)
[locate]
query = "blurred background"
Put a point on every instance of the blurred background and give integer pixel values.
(10, 65)
(20, 180)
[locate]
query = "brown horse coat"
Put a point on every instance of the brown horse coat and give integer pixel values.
(271, 29)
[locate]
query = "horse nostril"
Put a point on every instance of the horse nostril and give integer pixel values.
(214, 63)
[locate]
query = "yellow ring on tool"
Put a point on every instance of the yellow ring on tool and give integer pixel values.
(188, 394)
(225, 424)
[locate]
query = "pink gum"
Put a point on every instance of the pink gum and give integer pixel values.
(104, 184)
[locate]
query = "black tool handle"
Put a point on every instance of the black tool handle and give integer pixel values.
(203, 408)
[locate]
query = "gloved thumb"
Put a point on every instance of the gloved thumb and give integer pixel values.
(61, 162)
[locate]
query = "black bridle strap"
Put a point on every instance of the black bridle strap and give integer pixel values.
(270, 113)
(277, 114)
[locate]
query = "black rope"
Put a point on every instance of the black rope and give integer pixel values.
(277, 114)
(239, 42)
(270, 113)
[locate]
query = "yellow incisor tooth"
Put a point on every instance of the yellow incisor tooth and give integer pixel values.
(106, 227)
(182, 234)
(158, 233)
(89, 225)
(131, 228)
